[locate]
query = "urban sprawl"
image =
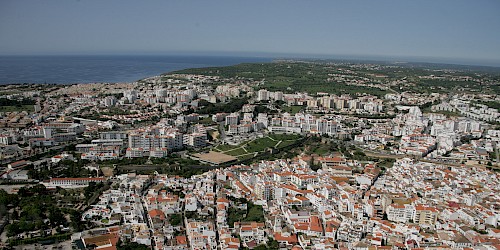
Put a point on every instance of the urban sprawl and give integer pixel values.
(210, 160)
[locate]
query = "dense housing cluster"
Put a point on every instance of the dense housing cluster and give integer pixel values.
(285, 155)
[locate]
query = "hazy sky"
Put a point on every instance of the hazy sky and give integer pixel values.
(466, 29)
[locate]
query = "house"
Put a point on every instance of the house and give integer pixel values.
(313, 227)
(251, 231)
(286, 238)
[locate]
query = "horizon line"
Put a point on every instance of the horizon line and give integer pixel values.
(495, 63)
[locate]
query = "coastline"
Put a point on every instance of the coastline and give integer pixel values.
(103, 69)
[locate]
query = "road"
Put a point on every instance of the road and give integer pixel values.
(380, 155)
(10, 188)
(222, 131)
(145, 213)
(393, 156)
(44, 150)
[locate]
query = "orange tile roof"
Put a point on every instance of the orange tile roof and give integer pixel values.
(102, 240)
(425, 208)
(223, 200)
(79, 179)
(289, 239)
(315, 225)
(157, 213)
(181, 240)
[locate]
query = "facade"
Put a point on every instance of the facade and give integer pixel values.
(68, 182)
(426, 216)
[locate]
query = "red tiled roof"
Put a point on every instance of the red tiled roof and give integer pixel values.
(181, 240)
(157, 213)
(289, 239)
(79, 179)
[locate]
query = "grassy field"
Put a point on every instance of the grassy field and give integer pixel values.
(245, 157)
(207, 121)
(226, 147)
(28, 108)
(284, 144)
(292, 109)
(260, 144)
(319, 148)
(246, 150)
(236, 152)
(285, 137)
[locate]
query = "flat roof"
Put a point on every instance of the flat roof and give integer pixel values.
(213, 157)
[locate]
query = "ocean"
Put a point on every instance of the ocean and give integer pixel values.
(111, 69)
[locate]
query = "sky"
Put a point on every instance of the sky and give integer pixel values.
(455, 29)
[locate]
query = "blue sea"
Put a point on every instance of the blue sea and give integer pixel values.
(90, 69)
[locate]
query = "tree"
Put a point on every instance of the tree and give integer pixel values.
(272, 244)
(131, 246)
(56, 217)
(315, 167)
(384, 217)
(89, 190)
(12, 229)
(175, 219)
(261, 247)
(8, 199)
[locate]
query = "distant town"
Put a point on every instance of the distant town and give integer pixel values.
(283, 155)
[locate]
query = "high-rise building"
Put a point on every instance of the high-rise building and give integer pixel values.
(232, 119)
(262, 95)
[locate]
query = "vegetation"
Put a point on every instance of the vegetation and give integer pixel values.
(18, 108)
(14, 102)
(42, 240)
(16, 105)
(359, 155)
(313, 77)
(253, 213)
(292, 109)
(386, 163)
(131, 246)
(66, 168)
(289, 77)
(171, 165)
(175, 219)
(285, 137)
(480, 231)
(263, 109)
(447, 113)
(185, 171)
(52, 152)
(272, 244)
(234, 215)
(93, 190)
(96, 114)
(232, 106)
(382, 116)
(490, 104)
(316, 146)
(247, 150)
(260, 144)
(35, 214)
